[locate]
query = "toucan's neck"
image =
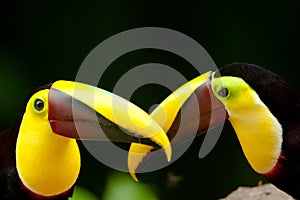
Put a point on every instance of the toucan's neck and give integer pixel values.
(260, 135)
(272, 175)
(47, 164)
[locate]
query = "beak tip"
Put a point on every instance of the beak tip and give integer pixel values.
(168, 152)
(133, 175)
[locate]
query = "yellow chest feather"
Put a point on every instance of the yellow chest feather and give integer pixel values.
(260, 136)
(47, 164)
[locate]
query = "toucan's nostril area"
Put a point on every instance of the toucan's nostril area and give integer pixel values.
(217, 74)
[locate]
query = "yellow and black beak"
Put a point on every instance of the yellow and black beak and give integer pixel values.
(85, 112)
(212, 112)
(189, 110)
(191, 105)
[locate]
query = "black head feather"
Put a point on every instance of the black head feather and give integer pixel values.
(271, 88)
(46, 86)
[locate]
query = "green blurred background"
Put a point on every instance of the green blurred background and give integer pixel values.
(45, 41)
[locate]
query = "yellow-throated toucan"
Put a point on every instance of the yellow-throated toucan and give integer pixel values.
(261, 107)
(39, 156)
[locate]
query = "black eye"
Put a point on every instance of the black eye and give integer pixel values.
(39, 104)
(223, 92)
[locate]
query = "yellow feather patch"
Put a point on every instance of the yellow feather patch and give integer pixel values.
(47, 164)
(258, 131)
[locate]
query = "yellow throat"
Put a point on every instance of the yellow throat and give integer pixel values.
(47, 164)
(258, 131)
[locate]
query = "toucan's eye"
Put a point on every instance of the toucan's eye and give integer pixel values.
(39, 105)
(223, 92)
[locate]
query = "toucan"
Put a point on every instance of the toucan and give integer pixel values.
(261, 107)
(39, 156)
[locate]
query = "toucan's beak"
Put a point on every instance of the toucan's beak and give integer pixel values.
(85, 112)
(192, 105)
(212, 111)
(190, 110)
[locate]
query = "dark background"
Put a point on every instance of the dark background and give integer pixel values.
(41, 42)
